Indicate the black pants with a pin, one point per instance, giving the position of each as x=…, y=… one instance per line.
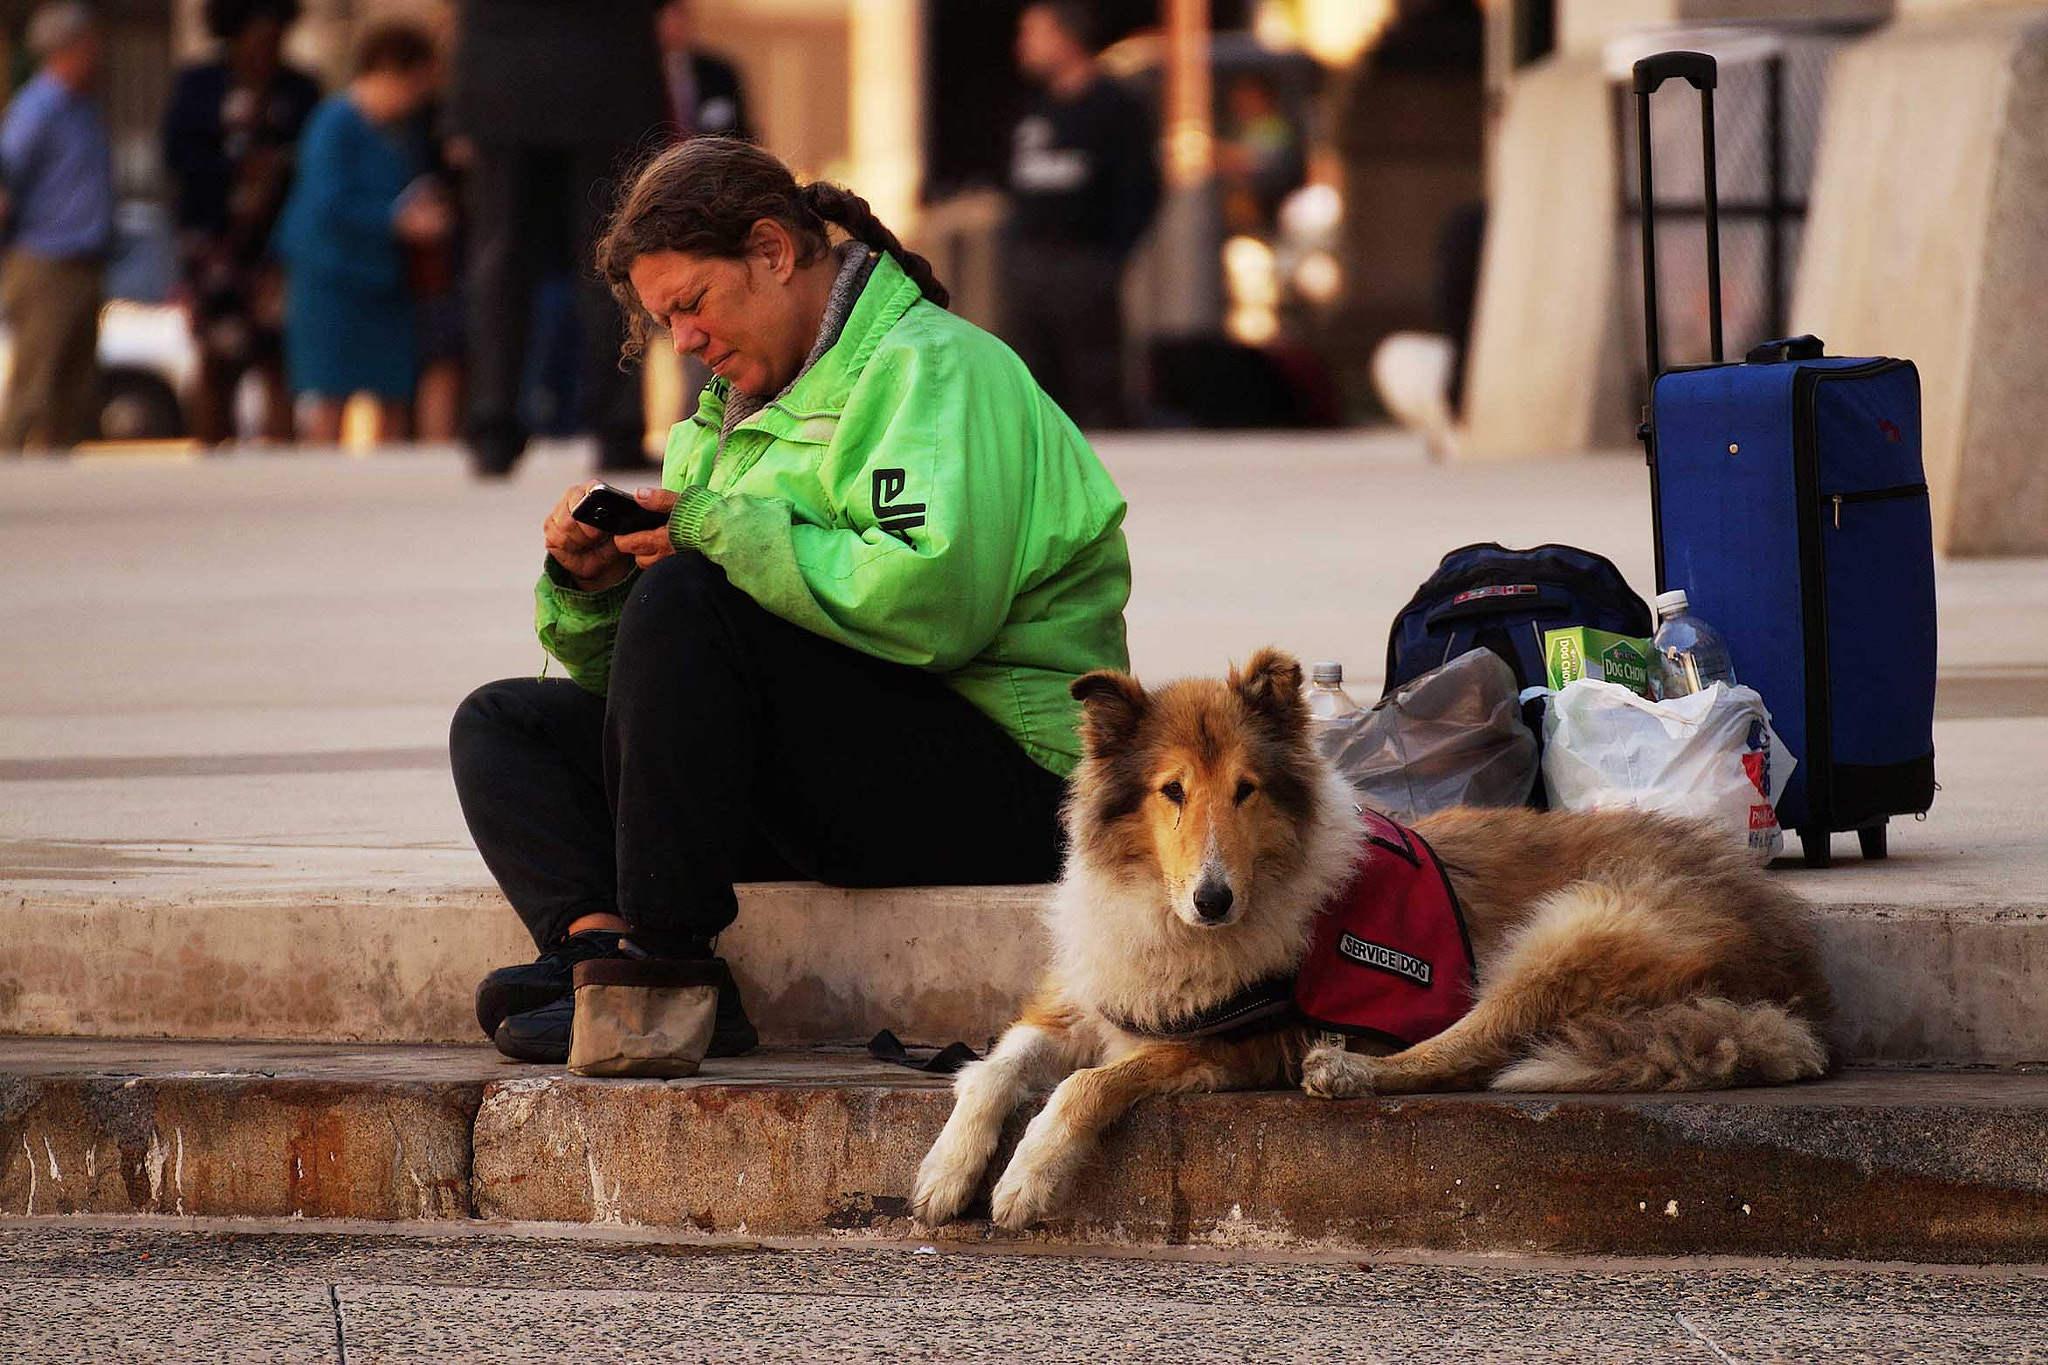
x=1063, y=315
x=530, y=208
x=736, y=747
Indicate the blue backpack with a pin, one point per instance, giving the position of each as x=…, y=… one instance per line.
x=1490, y=597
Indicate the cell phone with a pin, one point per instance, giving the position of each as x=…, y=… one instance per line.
x=613, y=511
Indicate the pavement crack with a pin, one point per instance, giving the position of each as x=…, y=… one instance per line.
x=1686, y=1323
x=341, y=1334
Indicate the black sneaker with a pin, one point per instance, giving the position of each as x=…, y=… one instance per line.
x=546, y=979
x=732, y=1034
x=542, y=1035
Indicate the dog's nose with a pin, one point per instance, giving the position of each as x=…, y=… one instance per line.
x=1213, y=900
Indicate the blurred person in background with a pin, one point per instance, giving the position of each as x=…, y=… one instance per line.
x=705, y=98
x=230, y=131
x=434, y=267
x=58, y=169
x=1084, y=185
x=1261, y=158
x=548, y=100
x=358, y=199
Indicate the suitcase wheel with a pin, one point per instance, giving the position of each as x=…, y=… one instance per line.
x=1872, y=839
x=1813, y=843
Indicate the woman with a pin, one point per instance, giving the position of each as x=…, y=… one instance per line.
x=846, y=654
x=349, y=321
x=230, y=130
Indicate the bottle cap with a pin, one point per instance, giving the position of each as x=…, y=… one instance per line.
x=1326, y=671
x=1671, y=603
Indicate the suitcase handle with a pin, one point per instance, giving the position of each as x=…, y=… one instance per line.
x=1697, y=69
x=1700, y=71
x=1805, y=346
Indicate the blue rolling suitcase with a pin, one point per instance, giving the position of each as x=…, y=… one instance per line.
x=1791, y=505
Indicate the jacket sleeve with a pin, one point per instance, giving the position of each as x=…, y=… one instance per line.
x=926, y=480
x=579, y=628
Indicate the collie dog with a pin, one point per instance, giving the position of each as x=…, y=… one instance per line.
x=1611, y=950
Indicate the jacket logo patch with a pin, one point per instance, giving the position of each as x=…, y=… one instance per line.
x=899, y=519
x=1365, y=954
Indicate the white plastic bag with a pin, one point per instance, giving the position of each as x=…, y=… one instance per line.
x=1709, y=756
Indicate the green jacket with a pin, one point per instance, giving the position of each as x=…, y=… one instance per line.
x=914, y=495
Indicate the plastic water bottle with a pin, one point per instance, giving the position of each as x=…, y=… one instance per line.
x=1327, y=699
x=1692, y=654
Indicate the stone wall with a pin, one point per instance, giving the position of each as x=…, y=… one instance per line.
x=1928, y=238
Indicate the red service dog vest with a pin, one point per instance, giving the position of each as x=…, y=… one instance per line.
x=1390, y=955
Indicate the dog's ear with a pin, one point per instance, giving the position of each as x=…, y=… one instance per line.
x=1112, y=704
x=1270, y=684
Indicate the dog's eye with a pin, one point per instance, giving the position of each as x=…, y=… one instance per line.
x=1244, y=792
x=1173, y=792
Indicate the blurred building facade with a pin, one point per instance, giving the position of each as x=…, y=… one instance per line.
x=1882, y=177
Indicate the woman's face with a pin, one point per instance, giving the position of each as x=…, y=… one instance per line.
x=741, y=316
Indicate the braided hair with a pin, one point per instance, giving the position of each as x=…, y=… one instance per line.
x=703, y=197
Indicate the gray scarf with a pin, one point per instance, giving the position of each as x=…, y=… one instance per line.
x=856, y=261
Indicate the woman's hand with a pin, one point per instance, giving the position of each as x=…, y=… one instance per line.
x=648, y=546
x=586, y=552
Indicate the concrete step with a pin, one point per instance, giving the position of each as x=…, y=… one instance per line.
x=1872, y=1164
x=1960, y=981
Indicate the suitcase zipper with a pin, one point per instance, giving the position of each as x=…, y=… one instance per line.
x=1904, y=490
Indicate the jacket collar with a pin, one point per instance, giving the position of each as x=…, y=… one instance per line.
x=809, y=408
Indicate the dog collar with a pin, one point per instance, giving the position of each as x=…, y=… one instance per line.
x=1259, y=1007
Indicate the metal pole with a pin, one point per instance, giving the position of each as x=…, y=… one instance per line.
x=1647, y=206
x=1774, y=211
x=1713, y=222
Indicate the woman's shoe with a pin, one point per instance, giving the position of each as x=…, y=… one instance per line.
x=548, y=978
x=540, y=1035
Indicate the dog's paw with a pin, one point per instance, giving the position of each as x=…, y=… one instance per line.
x=1037, y=1174
x=945, y=1183
x=1023, y=1196
x=1331, y=1073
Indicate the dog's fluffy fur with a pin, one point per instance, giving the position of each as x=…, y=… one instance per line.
x=1615, y=950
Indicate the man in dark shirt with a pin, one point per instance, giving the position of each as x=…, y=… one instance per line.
x=705, y=97
x=548, y=101
x=1084, y=184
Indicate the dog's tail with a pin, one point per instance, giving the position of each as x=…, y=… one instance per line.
x=1703, y=1044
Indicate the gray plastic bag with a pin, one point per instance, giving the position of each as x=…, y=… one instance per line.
x=1452, y=737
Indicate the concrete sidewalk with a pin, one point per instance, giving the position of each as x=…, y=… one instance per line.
x=135, y=1291
x=225, y=809
x=235, y=674
x=1868, y=1165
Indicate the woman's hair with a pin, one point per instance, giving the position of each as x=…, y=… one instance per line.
x=225, y=19
x=394, y=47
x=704, y=196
